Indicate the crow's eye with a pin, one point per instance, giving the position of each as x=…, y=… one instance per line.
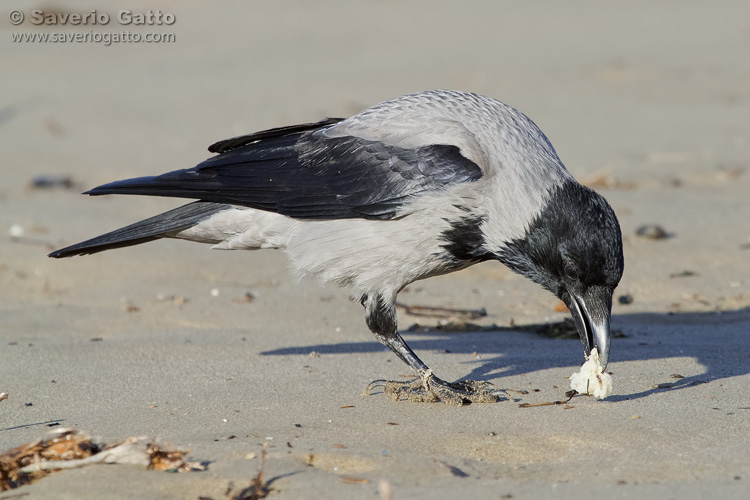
x=571, y=272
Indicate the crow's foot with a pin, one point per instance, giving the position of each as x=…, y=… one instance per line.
x=430, y=389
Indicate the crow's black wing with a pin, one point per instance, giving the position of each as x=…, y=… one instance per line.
x=300, y=172
x=244, y=140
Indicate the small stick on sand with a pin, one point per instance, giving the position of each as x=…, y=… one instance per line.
x=568, y=395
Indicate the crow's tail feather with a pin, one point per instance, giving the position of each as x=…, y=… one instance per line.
x=146, y=230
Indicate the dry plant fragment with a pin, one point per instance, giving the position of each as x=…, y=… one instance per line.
x=353, y=480
x=3, y=396
x=161, y=459
x=69, y=449
x=258, y=488
x=59, y=445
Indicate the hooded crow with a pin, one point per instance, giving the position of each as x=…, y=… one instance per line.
x=414, y=187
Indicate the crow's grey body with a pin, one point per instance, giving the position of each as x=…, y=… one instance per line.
x=414, y=187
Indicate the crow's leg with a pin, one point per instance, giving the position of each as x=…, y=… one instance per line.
x=381, y=319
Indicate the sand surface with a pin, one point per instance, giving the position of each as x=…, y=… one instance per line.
x=647, y=102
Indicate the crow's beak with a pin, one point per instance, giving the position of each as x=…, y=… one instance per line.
x=591, y=312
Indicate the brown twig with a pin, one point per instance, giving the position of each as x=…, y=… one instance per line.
x=258, y=488
x=568, y=395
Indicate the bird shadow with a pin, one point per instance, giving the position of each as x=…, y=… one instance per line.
x=717, y=341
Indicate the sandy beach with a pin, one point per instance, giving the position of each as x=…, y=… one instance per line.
x=220, y=352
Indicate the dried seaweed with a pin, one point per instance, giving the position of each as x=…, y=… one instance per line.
x=453, y=327
x=565, y=329
x=443, y=312
x=69, y=449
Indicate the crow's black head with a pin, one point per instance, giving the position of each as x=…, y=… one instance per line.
x=575, y=241
x=574, y=249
